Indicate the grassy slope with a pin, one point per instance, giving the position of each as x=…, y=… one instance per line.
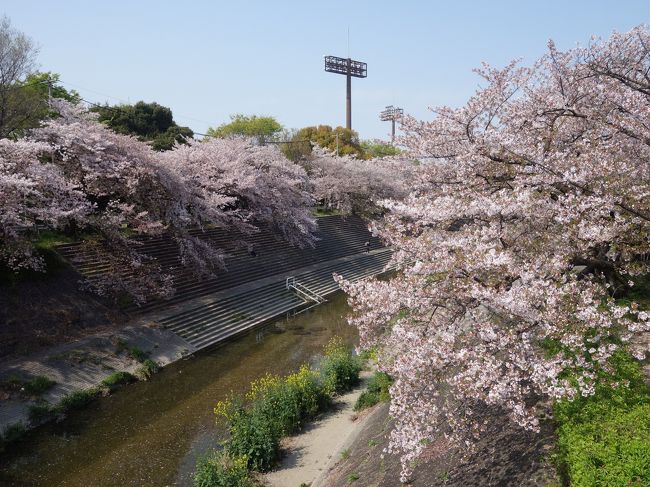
x=604, y=439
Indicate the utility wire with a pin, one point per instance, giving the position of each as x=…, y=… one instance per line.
x=120, y=110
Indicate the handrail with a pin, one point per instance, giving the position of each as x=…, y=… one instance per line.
x=314, y=296
x=303, y=291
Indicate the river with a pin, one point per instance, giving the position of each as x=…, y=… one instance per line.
x=150, y=433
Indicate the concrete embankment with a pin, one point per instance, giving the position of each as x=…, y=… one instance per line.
x=203, y=313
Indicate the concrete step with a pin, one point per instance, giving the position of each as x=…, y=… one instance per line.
x=211, y=322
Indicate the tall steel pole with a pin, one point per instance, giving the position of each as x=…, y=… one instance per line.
x=391, y=114
x=350, y=68
x=348, y=99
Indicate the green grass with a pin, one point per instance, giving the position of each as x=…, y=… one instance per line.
x=117, y=379
x=604, y=439
x=376, y=391
x=49, y=239
x=135, y=352
x=323, y=211
x=34, y=387
x=78, y=399
x=147, y=369
x=38, y=385
x=40, y=413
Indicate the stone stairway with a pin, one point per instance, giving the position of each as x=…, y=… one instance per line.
x=251, y=290
x=338, y=236
x=215, y=320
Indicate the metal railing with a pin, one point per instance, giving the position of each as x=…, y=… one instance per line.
x=303, y=291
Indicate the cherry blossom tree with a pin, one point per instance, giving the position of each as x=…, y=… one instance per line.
x=77, y=174
x=355, y=185
x=31, y=192
x=522, y=227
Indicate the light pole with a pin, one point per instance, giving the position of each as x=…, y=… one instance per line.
x=391, y=114
x=349, y=68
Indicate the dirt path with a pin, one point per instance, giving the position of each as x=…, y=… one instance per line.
x=319, y=446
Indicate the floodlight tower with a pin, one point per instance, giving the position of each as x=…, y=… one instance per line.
x=391, y=114
x=349, y=68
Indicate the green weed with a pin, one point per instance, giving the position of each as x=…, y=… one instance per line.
x=117, y=379
x=78, y=399
x=38, y=385
x=147, y=369
x=219, y=469
x=376, y=391
x=604, y=439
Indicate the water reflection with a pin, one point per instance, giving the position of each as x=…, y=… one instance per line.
x=150, y=433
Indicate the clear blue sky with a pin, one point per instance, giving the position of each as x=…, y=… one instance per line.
x=209, y=59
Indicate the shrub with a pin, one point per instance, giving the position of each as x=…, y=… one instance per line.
x=147, y=369
x=604, y=439
x=340, y=368
x=77, y=399
x=376, y=391
x=219, y=469
x=117, y=379
x=288, y=402
x=279, y=406
x=40, y=413
x=253, y=435
x=369, y=354
x=38, y=385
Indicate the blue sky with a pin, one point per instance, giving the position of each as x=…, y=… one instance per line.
x=209, y=59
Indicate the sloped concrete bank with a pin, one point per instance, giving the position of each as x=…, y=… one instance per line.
x=173, y=333
x=505, y=456
x=204, y=312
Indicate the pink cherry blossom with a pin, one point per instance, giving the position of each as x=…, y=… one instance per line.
x=526, y=219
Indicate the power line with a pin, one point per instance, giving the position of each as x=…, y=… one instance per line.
x=177, y=115
x=120, y=110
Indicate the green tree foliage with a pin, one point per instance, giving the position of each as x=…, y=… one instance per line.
x=262, y=128
x=325, y=136
x=28, y=101
x=378, y=148
x=39, y=84
x=24, y=92
x=148, y=121
x=604, y=439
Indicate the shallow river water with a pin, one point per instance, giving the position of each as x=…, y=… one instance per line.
x=150, y=433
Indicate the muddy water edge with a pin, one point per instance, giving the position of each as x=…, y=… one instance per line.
x=150, y=433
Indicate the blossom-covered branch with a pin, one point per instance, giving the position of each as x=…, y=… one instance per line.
x=527, y=220
x=75, y=174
